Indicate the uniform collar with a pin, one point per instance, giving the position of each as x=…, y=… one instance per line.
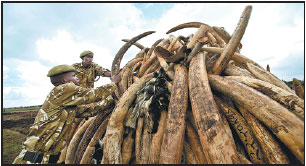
x=88, y=66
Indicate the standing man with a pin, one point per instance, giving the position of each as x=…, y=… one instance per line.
x=87, y=70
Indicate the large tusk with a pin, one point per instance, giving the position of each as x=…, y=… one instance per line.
x=114, y=132
x=189, y=154
x=223, y=33
x=123, y=49
x=186, y=25
x=136, y=44
x=75, y=140
x=243, y=130
x=298, y=88
x=152, y=48
x=264, y=75
x=172, y=144
x=127, y=147
x=238, y=58
x=271, y=148
x=195, y=144
x=90, y=131
x=283, y=123
x=94, y=140
x=213, y=137
x=157, y=139
x=288, y=99
x=233, y=43
x=232, y=70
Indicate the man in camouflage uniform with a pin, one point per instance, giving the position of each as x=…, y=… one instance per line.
x=87, y=70
x=66, y=101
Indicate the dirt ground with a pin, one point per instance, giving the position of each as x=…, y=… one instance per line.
x=15, y=127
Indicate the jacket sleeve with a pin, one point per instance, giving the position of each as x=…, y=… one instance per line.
x=76, y=95
x=89, y=110
x=99, y=70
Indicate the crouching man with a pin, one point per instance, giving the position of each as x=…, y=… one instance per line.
x=66, y=101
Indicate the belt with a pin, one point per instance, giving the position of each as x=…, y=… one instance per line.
x=36, y=157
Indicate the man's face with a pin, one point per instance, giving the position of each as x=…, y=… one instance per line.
x=71, y=77
x=87, y=60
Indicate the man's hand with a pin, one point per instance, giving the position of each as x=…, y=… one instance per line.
x=116, y=79
x=107, y=74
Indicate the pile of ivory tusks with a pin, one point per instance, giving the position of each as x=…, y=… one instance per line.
x=224, y=108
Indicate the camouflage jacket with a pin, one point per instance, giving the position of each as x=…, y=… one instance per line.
x=65, y=102
x=88, y=75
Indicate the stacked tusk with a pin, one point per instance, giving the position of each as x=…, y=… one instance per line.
x=194, y=100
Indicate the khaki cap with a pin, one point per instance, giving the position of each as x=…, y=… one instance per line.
x=59, y=69
x=87, y=52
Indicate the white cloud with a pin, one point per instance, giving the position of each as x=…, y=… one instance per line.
x=266, y=40
x=63, y=49
x=34, y=87
x=5, y=70
x=31, y=71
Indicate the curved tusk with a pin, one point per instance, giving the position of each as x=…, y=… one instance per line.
x=140, y=46
x=186, y=25
x=233, y=42
x=123, y=49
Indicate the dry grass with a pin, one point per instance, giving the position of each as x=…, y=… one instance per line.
x=11, y=144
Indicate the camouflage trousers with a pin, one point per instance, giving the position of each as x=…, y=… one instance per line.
x=19, y=159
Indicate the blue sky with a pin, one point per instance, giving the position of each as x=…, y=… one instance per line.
x=37, y=36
